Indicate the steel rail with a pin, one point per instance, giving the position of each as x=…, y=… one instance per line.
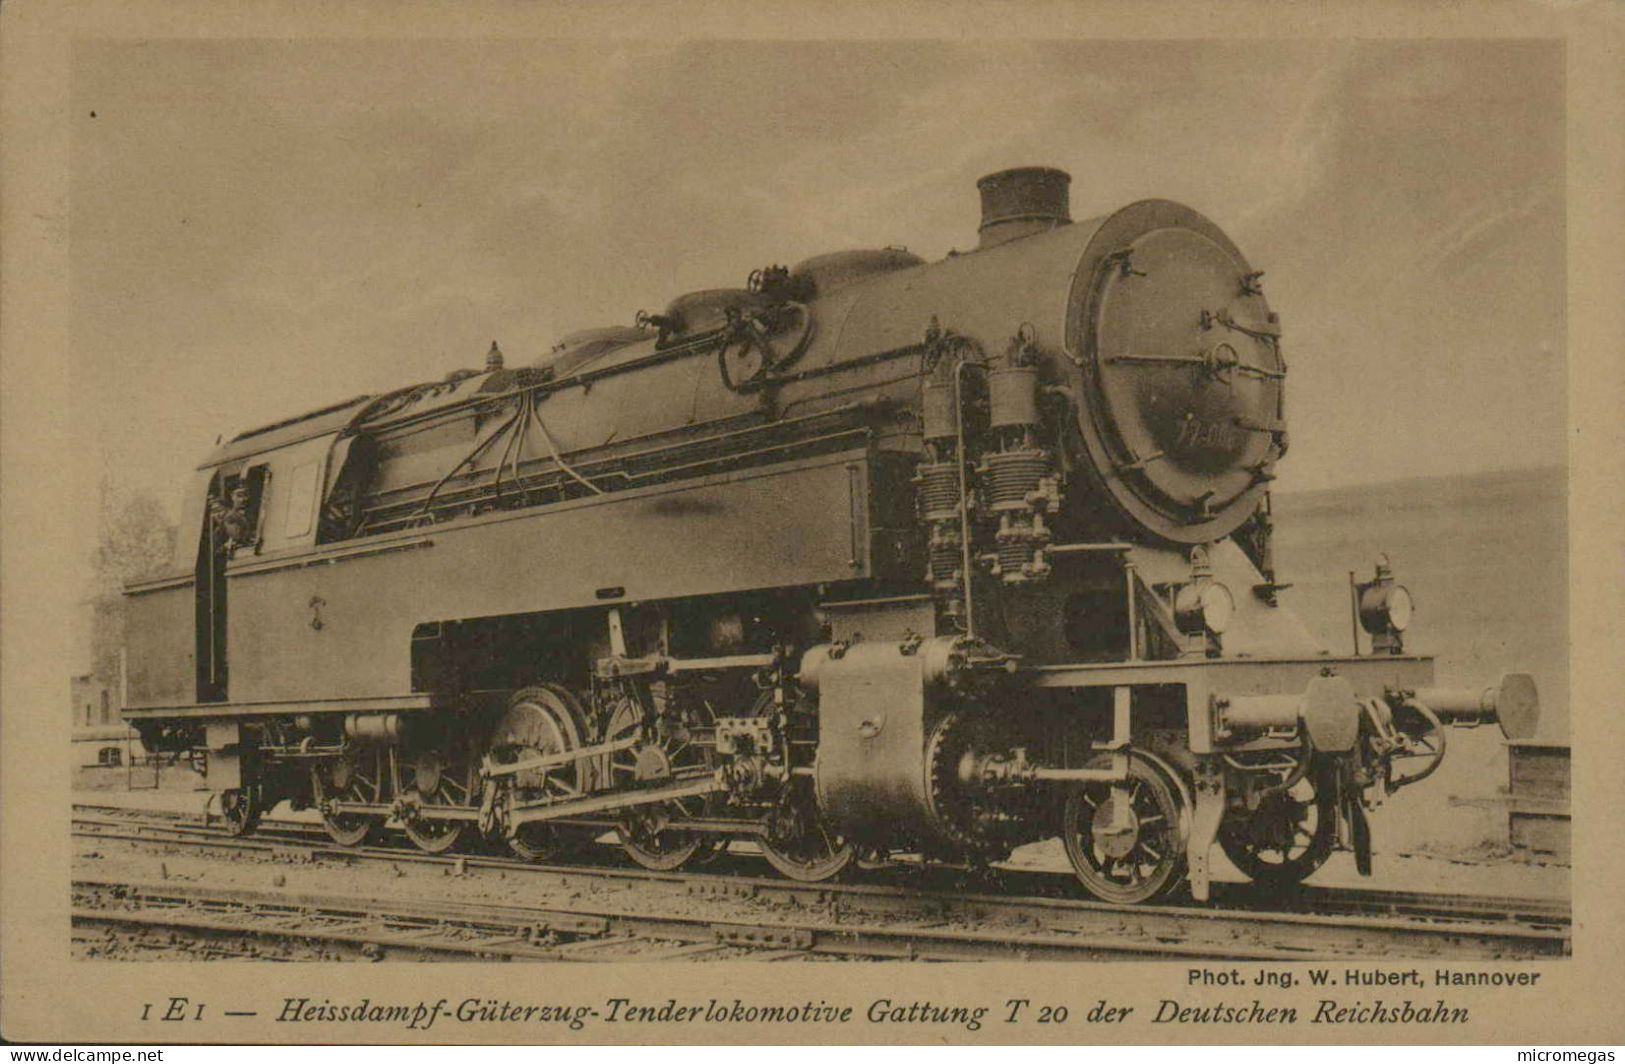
x=1035, y=883
x=518, y=932
x=1313, y=929
x=273, y=835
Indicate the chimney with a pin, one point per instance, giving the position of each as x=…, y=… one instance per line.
x=1022, y=202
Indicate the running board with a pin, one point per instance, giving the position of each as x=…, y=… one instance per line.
x=410, y=703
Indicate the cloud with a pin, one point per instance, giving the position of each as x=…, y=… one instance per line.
x=1468, y=238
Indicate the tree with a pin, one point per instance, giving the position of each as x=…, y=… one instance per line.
x=135, y=539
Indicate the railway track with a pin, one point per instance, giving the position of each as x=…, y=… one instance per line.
x=261, y=924
x=918, y=913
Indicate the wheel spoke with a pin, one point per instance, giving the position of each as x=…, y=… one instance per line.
x=1285, y=839
x=1153, y=859
x=800, y=843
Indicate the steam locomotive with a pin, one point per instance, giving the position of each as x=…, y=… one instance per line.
x=869, y=556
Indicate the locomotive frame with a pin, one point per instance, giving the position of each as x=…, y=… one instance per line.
x=958, y=544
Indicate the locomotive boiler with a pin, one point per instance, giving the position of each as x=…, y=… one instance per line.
x=868, y=556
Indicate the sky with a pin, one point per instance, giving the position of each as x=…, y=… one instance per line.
x=259, y=228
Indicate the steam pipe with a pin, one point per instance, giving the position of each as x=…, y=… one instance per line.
x=467, y=458
x=557, y=457
x=964, y=495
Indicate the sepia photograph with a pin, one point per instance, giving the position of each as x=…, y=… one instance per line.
x=650, y=502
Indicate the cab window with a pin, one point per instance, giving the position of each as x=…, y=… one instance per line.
x=300, y=506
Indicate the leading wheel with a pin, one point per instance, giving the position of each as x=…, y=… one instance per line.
x=1126, y=841
x=1360, y=837
x=1289, y=835
x=799, y=842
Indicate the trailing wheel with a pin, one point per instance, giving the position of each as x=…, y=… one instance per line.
x=356, y=777
x=799, y=842
x=541, y=722
x=1126, y=841
x=240, y=808
x=1289, y=836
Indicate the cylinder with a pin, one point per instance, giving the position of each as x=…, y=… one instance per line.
x=1512, y=702
x=812, y=662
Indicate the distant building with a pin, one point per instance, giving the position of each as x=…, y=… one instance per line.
x=99, y=736
x=92, y=703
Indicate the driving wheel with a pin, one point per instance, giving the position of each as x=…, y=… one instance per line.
x=663, y=749
x=541, y=722
x=799, y=841
x=355, y=777
x=444, y=778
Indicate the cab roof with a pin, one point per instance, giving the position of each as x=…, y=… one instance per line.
x=290, y=430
